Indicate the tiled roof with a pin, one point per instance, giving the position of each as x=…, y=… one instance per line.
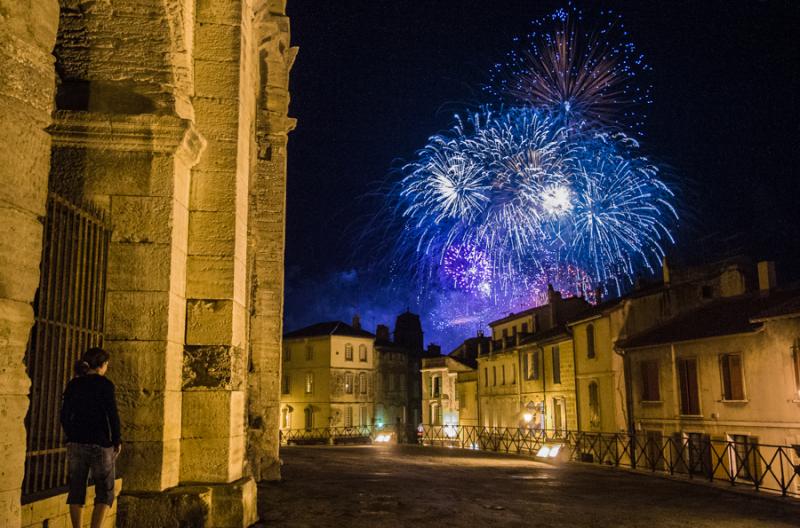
x=330, y=328
x=725, y=316
x=545, y=335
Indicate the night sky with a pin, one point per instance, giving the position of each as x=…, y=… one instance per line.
x=373, y=80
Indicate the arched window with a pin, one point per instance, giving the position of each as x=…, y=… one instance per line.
x=594, y=404
x=362, y=352
x=348, y=352
x=309, y=416
x=348, y=382
x=362, y=382
x=590, y=353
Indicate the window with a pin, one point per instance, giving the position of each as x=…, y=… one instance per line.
x=513, y=373
x=526, y=365
x=362, y=352
x=309, y=382
x=502, y=374
x=436, y=386
x=558, y=414
x=732, y=383
x=309, y=353
x=348, y=417
x=436, y=414
x=285, y=389
x=590, y=353
x=309, y=418
x=556, y=365
x=485, y=376
x=505, y=333
x=286, y=418
x=650, y=386
x=594, y=404
x=287, y=354
x=796, y=360
x=698, y=446
x=687, y=379
x=524, y=328
x=535, y=365
x=494, y=374
x=535, y=323
x=362, y=383
x=402, y=384
x=363, y=417
x=745, y=463
x=348, y=352
x=348, y=383
x=391, y=382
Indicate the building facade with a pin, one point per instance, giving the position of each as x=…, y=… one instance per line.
x=145, y=147
x=526, y=378
x=726, y=372
x=328, y=377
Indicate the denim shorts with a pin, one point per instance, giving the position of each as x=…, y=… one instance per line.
x=82, y=458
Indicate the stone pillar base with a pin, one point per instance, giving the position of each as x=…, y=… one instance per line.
x=230, y=505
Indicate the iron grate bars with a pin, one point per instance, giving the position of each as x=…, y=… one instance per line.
x=69, y=307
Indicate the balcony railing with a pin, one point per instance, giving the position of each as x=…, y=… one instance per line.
x=761, y=467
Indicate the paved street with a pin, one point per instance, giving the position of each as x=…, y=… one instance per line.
x=391, y=486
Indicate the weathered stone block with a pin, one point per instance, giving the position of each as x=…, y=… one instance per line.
x=213, y=368
x=213, y=414
x=212, y=460
x=209, y=277
x=144, y=220
x=209, y=322
x=143, y=267
x=20, y=252
x=219, y=42
x=137, y=315
x=216, y=79
x=143, y=414
x=144, y=466
x=16, y=320
x=183, y=507
x=219, y=155
x=213, y=11
x=234, y=504
x=210, y=233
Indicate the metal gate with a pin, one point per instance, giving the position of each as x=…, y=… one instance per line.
x=69, y=308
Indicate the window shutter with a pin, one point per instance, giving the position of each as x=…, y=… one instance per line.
x=737, y=383
x=654, y=389
x=694, y=397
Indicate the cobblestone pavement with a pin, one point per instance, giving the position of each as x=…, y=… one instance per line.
x=398, y=486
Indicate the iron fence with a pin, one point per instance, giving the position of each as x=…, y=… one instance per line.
x=761, y=467
x=68, y=307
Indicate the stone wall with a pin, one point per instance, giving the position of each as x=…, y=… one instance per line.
x=171, y=118
x=27, y=36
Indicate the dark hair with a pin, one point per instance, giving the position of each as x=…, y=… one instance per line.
x=92, y=359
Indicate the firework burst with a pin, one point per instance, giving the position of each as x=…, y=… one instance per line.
x=584, y=75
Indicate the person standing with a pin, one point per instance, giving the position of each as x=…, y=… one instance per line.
x=91, y=424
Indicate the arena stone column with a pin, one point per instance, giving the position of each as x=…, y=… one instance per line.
x=27, y=83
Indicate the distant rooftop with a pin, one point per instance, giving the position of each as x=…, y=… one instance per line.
x=337, y=328
x=725, y=316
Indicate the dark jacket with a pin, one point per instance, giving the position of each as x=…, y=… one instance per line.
x=89, y=411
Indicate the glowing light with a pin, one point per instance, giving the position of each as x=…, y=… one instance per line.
x=527, y=417
x=383, y=438
x=557, y=200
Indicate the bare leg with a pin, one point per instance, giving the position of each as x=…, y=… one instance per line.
x=98, y=515
x=75, y=515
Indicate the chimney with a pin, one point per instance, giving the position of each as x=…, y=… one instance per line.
x=356, y=322
x=598, y=293
x=552, y=294
x=382, y=332
x=766, y=275
x=665, y=271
